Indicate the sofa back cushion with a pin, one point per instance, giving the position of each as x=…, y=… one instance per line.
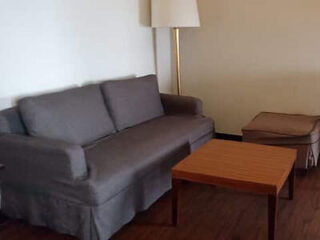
x=132, y=101
x=11, y=122
x=77, y=115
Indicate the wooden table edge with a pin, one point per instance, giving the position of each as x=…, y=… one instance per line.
x=225, y=182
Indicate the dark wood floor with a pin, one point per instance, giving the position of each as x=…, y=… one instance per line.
x=211, y=213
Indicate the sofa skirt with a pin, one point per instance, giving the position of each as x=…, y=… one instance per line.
x=300, y=132
x=91, y=222
x=307, y=155
x=86, y=222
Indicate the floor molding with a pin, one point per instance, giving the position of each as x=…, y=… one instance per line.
x=226, y=136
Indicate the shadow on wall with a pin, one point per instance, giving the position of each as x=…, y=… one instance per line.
x=295, y=92
x=111, y=79
x=145, y=20
x=12, y=101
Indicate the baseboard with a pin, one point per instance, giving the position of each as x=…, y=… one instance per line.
x=226, y=136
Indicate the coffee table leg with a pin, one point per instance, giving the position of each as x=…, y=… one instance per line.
x=175, y=194
x=291, y=183
x=272, y=215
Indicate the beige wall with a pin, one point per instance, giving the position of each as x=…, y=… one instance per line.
x=251, y=56
x=48, y=45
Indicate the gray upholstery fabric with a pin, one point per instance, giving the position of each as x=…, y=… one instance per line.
x=11, y=122
x=77, y=115
x=203, y=140
x=118, y=161
x=29, y=159
x=113, y=163
x=133, y=101
x=98, y=222
x=174, y=105
x=92, y=191
x=83, y=221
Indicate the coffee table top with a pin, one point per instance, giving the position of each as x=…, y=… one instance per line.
x=244, y=166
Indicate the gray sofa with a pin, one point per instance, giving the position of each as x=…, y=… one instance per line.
x=84, y=161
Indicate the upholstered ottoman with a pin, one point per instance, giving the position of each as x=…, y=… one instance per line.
x=288, y=130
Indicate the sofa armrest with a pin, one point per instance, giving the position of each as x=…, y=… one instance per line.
x=174, y=104
x=32, y=159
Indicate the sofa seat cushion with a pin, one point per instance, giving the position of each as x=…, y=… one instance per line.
x=133, y=101
x=118, y=161
x=77, y=115
x=280, y=128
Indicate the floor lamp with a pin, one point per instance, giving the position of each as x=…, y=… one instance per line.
x=175, y=14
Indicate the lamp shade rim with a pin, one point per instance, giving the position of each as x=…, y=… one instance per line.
x=175, y=13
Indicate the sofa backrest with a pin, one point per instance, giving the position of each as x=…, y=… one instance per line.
x=77, y=115
x=11, y=122
x=132, y=101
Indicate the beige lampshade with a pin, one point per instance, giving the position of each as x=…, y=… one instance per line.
x=175, y=13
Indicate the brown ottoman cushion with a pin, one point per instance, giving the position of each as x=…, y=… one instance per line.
x=301, y=132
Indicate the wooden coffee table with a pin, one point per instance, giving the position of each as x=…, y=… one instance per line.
x=242, y=166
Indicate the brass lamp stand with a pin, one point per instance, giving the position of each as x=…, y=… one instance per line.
x=176, y=38
x=175, y=14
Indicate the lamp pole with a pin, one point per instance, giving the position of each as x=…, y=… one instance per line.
x=176, y=40
x=175, y=14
